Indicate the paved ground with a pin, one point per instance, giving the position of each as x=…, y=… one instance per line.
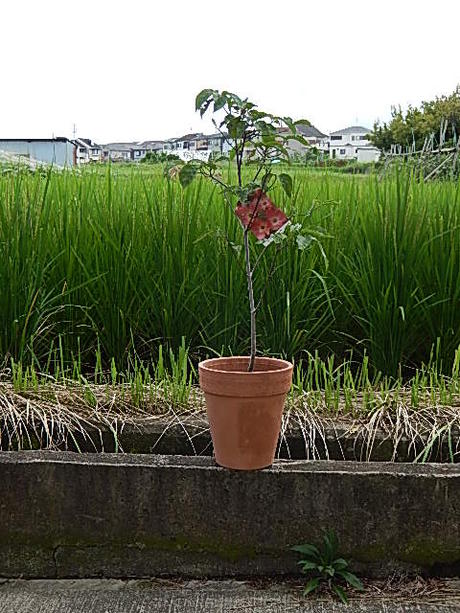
x=113, y=596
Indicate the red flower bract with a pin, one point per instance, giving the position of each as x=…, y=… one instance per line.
x=260, y=215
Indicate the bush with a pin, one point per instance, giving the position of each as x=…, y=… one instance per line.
x=159, y=157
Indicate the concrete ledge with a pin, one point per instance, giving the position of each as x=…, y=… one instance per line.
x=336, y=442
x=107, y=515
x=190, y=436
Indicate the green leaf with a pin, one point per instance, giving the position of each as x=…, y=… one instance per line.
x=236, y=248
x=236, y=127
x=351, y=579
x=340, y=563
x=267, y=178
x=299, y=138
x=219, y=103
x=311, y=586
x=286, y=182
x=290, y=124
x=205, y=106
x=187, y=174
x=331, y=544
x=295, y=228
x=232, y=154
x=308, y=565
x=340, y=592
x=303, y=241
x=202, y=97
x=309, y=550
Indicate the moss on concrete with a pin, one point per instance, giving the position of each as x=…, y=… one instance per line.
x=426, y=552
x=423, y=553
x=231, y=552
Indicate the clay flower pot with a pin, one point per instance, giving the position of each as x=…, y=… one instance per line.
x=244, y=408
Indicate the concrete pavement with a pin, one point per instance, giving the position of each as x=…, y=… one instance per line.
x=163, y=596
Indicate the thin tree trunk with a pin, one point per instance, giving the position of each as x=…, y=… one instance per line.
x=247, y=254
x=252, y=307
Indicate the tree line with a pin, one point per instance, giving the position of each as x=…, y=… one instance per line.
x=417, y=123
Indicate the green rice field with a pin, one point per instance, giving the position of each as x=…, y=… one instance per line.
x=101, y=268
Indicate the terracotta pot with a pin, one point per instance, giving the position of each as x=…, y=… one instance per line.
x=244, y=408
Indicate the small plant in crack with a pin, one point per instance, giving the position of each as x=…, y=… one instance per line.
x=325, y=569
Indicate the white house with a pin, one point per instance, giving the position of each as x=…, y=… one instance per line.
x=197, y=145
x=87, y=151
x=118, y=152
x=352, y=143
x=131, y=152
x=150, y=145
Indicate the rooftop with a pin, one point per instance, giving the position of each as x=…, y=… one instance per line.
x=188, y=137
x=57, y=139
x=120, y=146
x=309, y=131
x=351, y=130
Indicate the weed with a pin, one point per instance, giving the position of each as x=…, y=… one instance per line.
x=326, y=569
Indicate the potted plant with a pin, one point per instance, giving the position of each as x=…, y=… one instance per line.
x=245, y=395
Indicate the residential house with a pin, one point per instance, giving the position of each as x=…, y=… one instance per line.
x=197, y=145
x=59, y=151
x=351, y=143
x=131, y=152
x=311, y=134
x=138, y=152
x=151, y=145
x=87, y=151
x=368, y=153
x=118, y=152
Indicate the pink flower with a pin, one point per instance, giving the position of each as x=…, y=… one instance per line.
x=260, y=228
x=277, y=219
x=261, y=215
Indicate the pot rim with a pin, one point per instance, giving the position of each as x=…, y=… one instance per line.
x=285, y=366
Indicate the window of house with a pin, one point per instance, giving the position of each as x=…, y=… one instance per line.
x=342, y=151
x=336, y=138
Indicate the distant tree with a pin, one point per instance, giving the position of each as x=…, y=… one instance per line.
x=418, y=123
x=158, y=157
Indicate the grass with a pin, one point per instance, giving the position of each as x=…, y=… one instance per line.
x=106, y=265
x=114, y=282
x=73, y=409
x=37, y=411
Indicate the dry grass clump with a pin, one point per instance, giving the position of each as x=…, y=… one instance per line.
x=86, y=416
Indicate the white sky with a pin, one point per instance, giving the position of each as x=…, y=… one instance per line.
x=130, y=70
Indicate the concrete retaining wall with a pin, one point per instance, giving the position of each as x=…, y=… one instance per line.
x=191, y=436
x=90, y=515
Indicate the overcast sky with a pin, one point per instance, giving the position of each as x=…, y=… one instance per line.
x=130, y=70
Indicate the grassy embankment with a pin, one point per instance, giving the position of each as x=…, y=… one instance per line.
x=119, y=277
